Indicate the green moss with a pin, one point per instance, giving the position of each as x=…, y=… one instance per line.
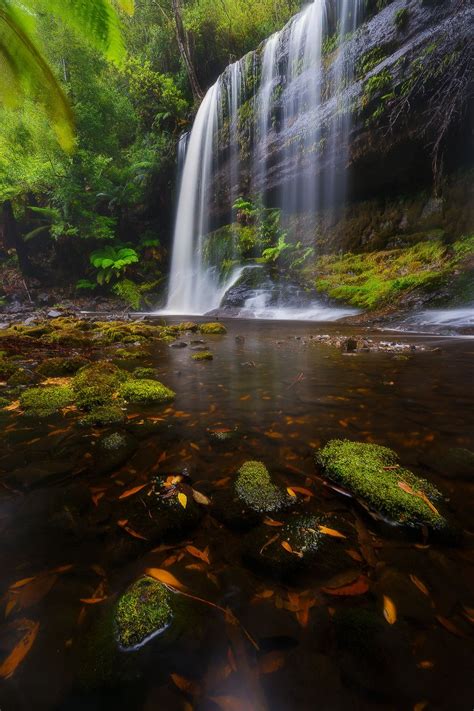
x=147, y=373
x=60, y=367
x=4, y=402
x=188, y=326
x=373, y=279
x=103, y=415
x=114, y=441
x=203, y=355
x=68, y=337
x=7, y=368
x=211, y=328
x=45, y=401
x=97, y=384
x=146, y=391
x=21, y=377
x=401, y=18
x=256, y=489
x=143, y=610
x=372, y=473
x=369, y=60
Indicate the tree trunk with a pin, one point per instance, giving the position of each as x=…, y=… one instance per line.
x=12, y=238
x=183, y=44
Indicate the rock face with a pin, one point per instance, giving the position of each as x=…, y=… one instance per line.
x=393, y=107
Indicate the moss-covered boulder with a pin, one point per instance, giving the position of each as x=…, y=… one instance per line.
x=45, y=401
x=68, y=337
x=202, y=355
x=60, y=367
x=97, y=384
x=7, y=368
x=146, y=391
x=301, y=543
x=212, y=328
x=373, y=475
x=143, y=611
x=4, y=402
x=103, y=415
x=256, y=489
x=20, y=377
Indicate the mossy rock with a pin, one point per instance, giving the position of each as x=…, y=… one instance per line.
x=300, y=545
x=4, y=402
x=97, y=384
x=103, y=415
x=372, y=474
x=255, y=488
x=146, y=391
x=21, y=377
x=142, y=612
x=202, y=355
x=128, y=354
x=188, y=326
x=144, y=373
x=70, y=338
x=7, y=368
x=212, y=328
x=60, y=367
x=45, y=401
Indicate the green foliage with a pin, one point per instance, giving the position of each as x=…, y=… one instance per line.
x=111, y=262
x=401, y=18
x=45, y=401
x=129, y=292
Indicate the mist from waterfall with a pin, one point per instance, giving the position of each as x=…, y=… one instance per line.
x=288, y=73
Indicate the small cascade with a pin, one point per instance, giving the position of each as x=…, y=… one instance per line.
x=284, y=84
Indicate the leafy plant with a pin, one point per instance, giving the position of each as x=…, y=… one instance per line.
x=111, y=262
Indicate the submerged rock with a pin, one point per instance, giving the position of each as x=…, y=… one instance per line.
x=143, y=611
x=452, y=463
x=372, y=474
x=144, y=373
x=103, y=415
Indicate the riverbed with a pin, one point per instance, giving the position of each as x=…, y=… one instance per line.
x=273, y=392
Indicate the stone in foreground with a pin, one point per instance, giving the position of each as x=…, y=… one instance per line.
x=143, y=611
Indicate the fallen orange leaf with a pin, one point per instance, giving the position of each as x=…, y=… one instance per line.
x=421, y=586
x=21, y=649
x=271, y=662
x=186, y=685
x=331, y=532
x=131, y=492
x=164, y=576
x=359, y=587
x=270, y=522
x=389, y=610
x=183, y=499
x=202, y=555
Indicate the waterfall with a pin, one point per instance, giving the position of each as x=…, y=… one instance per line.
x=285, y=84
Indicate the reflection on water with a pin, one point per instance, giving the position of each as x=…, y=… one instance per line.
x=284, y=396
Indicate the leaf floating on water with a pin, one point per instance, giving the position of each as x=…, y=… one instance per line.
x=389, y=610
x=355, y=555
x=200, y=498
x=286, y=546
x=202, y=555
x=21, y=649
x=291, y=492
x=271, y=522
x=131, y=492
x=359, y=587
x=92, y=600
x=302, y=490
x=421, y=586
x=425, y=664
x=165, y=577
x=21, y=583
x=271, y=662
x=450, y=626
x=131, y=531
x=183, y=499
x=331, y=532
x=186, y=685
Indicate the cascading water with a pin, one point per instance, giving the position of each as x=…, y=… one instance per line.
x=290, y=70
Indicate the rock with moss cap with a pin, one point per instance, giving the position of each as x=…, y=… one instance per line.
x=146, y=391
x=97, y=384
x=60, y=367
x=373, y=475
x=7, y=368
x=299, y=544
x=187, y=326
x=21, y=377
x=4, y=402
x=103, y=415
x=69, y=337
x=202, y=355
x=256, y=489
x=143, y=611
x=212, y=328
x=45, y=401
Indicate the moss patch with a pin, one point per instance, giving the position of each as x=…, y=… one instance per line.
x=103, y=415
x=256, y=489
x=372, y=473
x=212, y=328
x=144, y=373
x=97, y=384
x=42, y=402
x=202, y=355
x=146, y=391
x=143, y=610
x=59, y=367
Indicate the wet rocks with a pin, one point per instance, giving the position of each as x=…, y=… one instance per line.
x=146, y=392
x=97, y=384
x=46, y=401
x=60, y=367
x=202, y=355
x=255, y=488
x=452, y=463
x=373, y=475
x=178, y=344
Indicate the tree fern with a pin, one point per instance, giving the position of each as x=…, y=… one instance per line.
x=23, y=69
